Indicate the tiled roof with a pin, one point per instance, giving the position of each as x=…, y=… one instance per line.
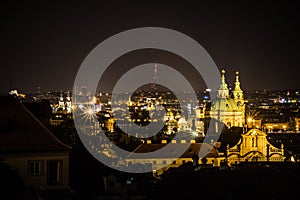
x=187, y=149
x=21, y=132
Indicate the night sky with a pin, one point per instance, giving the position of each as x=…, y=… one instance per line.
x=44, y=44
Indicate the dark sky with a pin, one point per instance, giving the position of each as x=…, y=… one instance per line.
x=44, y=44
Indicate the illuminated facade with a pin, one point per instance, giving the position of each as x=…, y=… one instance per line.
x=297, y=124
x=228, y=109
x=62, y=110
x=254, y=147
x=64, y=104
x=275, y=127
x=68, y=103
x=165, y=160
x=61, y=103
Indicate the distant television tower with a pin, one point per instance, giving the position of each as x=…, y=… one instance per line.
x=155, y=78
x=9, y=78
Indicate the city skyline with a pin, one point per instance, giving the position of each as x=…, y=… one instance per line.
x=44, y=45
x=149, y=100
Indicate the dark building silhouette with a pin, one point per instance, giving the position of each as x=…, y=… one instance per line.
x=28, y=146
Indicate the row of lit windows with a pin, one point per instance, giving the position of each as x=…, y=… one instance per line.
x=164, y=162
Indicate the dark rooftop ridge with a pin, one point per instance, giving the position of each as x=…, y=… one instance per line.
x=21, y=131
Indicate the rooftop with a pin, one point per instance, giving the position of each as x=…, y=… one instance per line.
x=172, y=150
x=21, y=131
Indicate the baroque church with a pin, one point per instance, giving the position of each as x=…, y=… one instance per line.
x=254, y=146
x=227, y=108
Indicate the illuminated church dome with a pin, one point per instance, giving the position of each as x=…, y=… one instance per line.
x=225, y=108
x=223, y=105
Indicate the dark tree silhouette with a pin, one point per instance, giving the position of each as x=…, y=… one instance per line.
x=11, y=183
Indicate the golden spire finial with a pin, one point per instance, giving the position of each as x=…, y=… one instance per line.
x=223, y=76
x=223, y=91
x=237, y=76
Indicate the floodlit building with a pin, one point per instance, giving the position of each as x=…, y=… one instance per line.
x=226, y=108
x=279, y=127
x=297, y=124
x=65, y=104
x=254, y=147
x=165, y=160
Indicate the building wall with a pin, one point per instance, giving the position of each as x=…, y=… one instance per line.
x=254, y=146
x=275, y=126
x=160, y=165
x=228, y=118
x=21, y=163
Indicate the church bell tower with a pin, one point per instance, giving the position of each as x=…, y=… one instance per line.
x=237, y=95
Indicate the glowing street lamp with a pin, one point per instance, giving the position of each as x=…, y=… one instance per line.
x=90, y=111
x=250, y=122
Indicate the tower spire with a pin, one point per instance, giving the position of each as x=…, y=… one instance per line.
x=237, y=76
x=238, y=95
x=237, y=82
x=223, y=76
x=237, y=92
x=155, y=78
x=223, y=91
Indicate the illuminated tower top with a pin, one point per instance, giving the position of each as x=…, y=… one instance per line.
x=61, y=103
x=68, y=98
x=237, y=92
x=223, y=91
x=61, y=97
x=155, y=74
x=68, y=103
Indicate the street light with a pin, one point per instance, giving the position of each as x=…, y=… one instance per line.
x=249, y=119
x=250, y=122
